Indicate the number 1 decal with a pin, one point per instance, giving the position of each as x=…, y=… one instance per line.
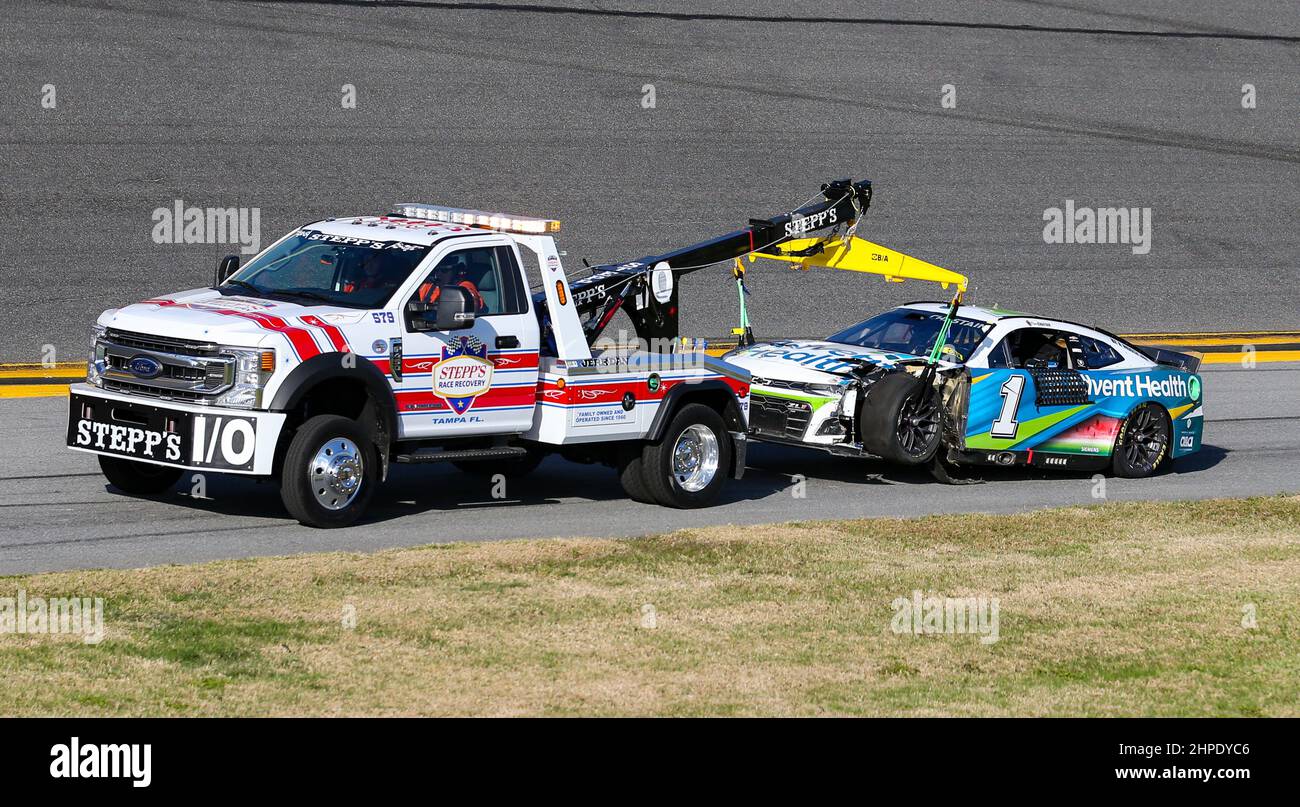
x=1005, y=426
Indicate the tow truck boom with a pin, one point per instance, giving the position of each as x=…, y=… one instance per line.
x=651, y=282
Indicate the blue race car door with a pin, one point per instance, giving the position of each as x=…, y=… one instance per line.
x=1032, y=388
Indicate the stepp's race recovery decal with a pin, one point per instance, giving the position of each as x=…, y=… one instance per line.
x=463, y=374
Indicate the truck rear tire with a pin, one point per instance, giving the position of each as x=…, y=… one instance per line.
x=140, y=478
x=902, y=422
x=688, y=466
x=631, y=475
x=329, y=473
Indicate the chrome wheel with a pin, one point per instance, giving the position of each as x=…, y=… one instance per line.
x=336, y=473
x=695, y=458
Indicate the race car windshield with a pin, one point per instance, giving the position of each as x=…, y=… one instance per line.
x=906, y=330
x=332, y=269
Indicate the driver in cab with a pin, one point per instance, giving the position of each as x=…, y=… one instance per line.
x=450, y=273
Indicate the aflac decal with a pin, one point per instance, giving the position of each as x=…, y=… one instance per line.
x=463, y=374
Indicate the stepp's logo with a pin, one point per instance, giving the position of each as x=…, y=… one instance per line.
x=802, y=224
x=463, y=374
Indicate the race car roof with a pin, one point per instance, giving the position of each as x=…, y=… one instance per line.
x=993, y=316
x=974, y=312
x=394, y=228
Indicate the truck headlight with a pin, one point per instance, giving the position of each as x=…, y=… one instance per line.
x=253, y=368
x=95, y=366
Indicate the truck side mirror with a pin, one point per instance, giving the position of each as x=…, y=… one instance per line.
x=455, y=308
x=226, y=267
x=453, y=311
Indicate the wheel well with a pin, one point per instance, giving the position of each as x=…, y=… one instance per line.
x=346, y=397
x=719, y=400
x=336, y=396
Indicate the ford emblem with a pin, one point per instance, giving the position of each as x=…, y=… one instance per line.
x=144, y=367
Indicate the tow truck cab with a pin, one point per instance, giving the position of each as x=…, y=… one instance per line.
x=351, y=344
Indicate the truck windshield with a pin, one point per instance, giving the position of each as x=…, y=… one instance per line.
x=907, y=330
x=333, y=269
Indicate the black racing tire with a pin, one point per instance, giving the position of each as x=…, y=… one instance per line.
x=1142, y=444
x=688, y=466
x=139, y=478
x=321, y=484
x=631, y=475
x=902, y=421
x=510, y=469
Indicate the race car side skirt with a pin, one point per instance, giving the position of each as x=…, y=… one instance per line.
x=1031, y=458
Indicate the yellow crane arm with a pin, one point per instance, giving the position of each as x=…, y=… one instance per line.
x=859, y=255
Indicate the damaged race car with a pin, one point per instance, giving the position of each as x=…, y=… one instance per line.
x=948, y=385
x=1003, y=388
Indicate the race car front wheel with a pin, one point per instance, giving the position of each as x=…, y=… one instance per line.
x=1142, y=445
x=902, y=420
x=329, y=473
x=140, y=478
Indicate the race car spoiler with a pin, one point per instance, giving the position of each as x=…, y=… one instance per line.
x=651, y=282
x=1170, y=358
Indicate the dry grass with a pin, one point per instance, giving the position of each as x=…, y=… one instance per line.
x=1120, y=609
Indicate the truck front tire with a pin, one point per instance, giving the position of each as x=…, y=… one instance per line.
x=330, y=472
x=688, y=466
x=139, y=478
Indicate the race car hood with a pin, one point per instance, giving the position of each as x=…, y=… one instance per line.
x=206, y=315
x=808, y=361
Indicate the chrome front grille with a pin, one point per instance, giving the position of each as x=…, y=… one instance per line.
x=188, y=370
x=163, y=344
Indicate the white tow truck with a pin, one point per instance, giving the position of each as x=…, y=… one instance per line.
x=416, y=337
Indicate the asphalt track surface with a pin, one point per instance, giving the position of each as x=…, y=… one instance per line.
x=536, y=108
x=58, y=512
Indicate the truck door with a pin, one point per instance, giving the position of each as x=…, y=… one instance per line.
x=476, y=380
x=1033, y=383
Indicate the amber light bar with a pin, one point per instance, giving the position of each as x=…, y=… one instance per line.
x=478, y=218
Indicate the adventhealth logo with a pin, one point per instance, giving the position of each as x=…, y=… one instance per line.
x=1144, y=386
x=92, y=761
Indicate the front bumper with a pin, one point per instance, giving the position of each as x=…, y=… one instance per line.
x=202, y=438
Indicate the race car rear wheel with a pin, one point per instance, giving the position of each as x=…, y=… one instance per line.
x=688, y=466
x=140, y=478
x=329, y=473
x=902, y=421
x=1142, y=445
